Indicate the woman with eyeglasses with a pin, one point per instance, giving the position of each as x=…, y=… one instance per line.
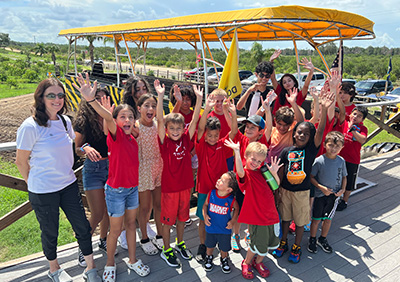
x=45, y=159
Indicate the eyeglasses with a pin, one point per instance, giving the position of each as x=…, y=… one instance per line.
x=52, y=96
x=261, y=75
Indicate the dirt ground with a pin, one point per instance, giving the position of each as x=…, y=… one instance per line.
x=13, y=111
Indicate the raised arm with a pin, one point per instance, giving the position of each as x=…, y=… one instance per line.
x=199, y=99
x=315, y=118
x=291, y=98
x=89, y=94
x=307, y=64
x=274, y=168
x=326, y=100
x=160, y=118
x=268, y=115
x=178, y=97
x=274, y=56
x=236, y=149
x=334, y=83
x=210, y=102
x=230, y=108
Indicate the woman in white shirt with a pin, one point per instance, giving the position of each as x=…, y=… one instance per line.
x=45, y=159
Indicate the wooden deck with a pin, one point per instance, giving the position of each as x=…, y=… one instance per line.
x=364, y=237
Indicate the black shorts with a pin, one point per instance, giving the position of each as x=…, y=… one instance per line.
x=223, y=240
x=324, y=207
x=352, y=171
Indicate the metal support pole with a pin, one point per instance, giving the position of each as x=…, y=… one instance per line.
x=116, y=59
x=204, y=64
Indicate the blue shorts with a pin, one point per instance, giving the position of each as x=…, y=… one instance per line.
x=94, y=174
x=223, y=240
x=201, y=199
x=120, y=199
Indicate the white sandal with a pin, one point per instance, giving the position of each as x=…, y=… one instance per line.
x=149, y=248
x=159, y=243
x=110, y=273
x=139, y=268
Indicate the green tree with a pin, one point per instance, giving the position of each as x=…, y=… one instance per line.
x=53, y=49
x=257, y=53
x=92, y=39
x=4, y=40
x=40, y=49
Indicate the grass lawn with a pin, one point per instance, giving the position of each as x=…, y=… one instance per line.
x=383, y=136
x=24, y=88
x=23, y=236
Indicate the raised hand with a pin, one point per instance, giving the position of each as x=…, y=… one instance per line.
x=160, y=89
x=326, y=99
x=234, y=146
x=275, y=55
x=198, y=91
x=292, y=95
x=307, y=64
x=229, y=105
x=87, y=91
x=106, y=103
x=177, y=93
x=334, y=81
x=210, y=102
x=314, y=92
x=275, y=166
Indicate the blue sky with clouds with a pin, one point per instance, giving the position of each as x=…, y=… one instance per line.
x=41, y=20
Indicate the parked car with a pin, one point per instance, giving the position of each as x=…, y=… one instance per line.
x=318, y=79
x=213, y=78
x=366, y=87
x=191, y=74
x=349, y=80
x=243, y=74
x=393, y=95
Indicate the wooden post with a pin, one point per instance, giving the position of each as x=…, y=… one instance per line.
x=167, y=73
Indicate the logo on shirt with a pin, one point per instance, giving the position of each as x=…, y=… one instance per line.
x=218, y=209
x=179, y=151
x=296, y=174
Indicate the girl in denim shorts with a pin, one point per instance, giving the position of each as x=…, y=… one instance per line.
x=121, y=189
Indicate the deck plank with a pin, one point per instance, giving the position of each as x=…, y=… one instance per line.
x=364, y=238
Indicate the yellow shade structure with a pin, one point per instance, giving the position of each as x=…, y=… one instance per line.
x=314, y=25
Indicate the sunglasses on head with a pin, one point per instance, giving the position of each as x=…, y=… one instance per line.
x=52, y=96
x=261, y=75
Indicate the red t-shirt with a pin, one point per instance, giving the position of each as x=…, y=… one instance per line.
x=299, y=100
x=352, y=148
x=123, y=156
x=328, y=128
x=225, y=129
x=212, y=163
x=244, y=142
x=188, y=118
x=349, y=109
x=259, y=204
x=177, y=171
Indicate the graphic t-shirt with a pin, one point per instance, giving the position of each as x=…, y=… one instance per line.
x=177, y=172
x=212, y=163
x=219, y=211
x=259, y=204
x=297, y=164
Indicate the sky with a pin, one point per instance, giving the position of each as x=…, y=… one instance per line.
x=41, y=20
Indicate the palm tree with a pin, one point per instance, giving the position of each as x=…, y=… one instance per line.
x=91, y=39
x=257, y=53
x=53, y=49
x=40, y=49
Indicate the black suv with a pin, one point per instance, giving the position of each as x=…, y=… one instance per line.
x=366, y=87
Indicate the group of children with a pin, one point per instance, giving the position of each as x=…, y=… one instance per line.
x=279, y=150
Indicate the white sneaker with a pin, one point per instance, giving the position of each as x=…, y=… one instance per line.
x=122, y=240
x=150, y=232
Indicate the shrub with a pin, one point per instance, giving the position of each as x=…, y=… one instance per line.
x=150, y=73
x=12, y=82
x=3, y=77
x=31, y=76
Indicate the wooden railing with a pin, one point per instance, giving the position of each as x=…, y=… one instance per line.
x=20, y=185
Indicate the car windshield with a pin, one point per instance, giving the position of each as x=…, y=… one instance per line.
x=396, y=92
x=364, y=84
x=252, y=77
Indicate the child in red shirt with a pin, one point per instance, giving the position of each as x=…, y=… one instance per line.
x=121, y=189
x=259, y=209
x=355, y=135
x=212, y=155
x=176, y=181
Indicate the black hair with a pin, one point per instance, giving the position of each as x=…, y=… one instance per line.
x=313, y=131
x=282, y=94
x=350, y=89
x=213, y=123
x=186, y=90
x=267, y=67
x=130, y=92
x=362, y=110
x=232, y=182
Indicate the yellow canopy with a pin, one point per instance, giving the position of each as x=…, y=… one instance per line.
x=315, y=25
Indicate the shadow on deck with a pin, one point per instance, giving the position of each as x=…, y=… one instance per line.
x=364, y=238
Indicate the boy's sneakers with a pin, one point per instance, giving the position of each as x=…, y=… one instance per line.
x=307, y=227
x=208, y=264
x=181, y=248
x=341, y=206
x=225, y=265
x=235, y=243
x=323, y=243
x=81, y=259
x=170, y=257
x=283, y=248
x=201, y=253
x=122, y=240
x=312, y=245
x=247, y=237
x=295, y=254
x=188, y=222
